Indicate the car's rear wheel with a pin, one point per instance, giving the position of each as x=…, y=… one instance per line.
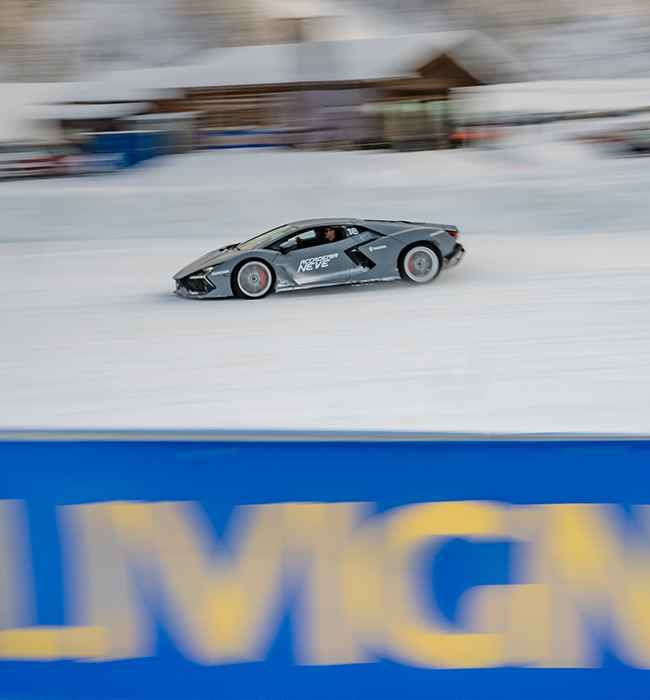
x=253, y=279
x=420, y=263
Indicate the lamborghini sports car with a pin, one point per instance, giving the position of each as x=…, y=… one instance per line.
x=322, y=253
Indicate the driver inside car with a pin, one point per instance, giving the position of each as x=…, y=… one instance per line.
x=328, y=234
x=324, y=234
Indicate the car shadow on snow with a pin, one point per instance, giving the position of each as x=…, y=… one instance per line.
x=370, y=288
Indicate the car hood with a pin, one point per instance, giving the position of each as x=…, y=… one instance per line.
x=212, y=258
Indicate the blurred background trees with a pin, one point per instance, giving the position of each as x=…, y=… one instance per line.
x=65, y=39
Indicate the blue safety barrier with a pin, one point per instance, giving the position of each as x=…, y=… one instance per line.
x=134, y=146
x=201, y=567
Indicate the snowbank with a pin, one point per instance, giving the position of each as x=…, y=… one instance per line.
x=551, y=97
x=16, y=100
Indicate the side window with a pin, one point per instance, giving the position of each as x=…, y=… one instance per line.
x=304, y=239
x=314, y=237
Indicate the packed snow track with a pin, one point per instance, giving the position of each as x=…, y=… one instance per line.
x=541, y=328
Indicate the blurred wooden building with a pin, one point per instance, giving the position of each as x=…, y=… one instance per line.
x=390, y=90
x=359, y=92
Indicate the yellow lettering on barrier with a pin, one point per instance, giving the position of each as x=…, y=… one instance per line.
x=52, y=643
x=518, y=612
x=19, y=640
x=101, y=588
x=220, y=601
x=545, y=632
x=326, y=632
x=15, y=575
x=416, y=633
x=364, y=595
x=599, y=580
x=355, y=585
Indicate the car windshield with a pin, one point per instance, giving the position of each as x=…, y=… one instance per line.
x=268, y=238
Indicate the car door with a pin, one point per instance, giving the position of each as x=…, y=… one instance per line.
x=363, y=254
x=318, y=265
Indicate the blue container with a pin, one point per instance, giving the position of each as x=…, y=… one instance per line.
x=134, y=146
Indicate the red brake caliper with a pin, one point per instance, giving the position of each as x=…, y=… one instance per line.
x=263, y=277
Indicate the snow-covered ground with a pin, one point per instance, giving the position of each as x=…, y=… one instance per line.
x=545, y=326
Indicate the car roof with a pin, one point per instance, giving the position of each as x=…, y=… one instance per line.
x=304, y=223
x=341, y=221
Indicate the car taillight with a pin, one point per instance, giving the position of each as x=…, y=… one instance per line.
x=453, y=232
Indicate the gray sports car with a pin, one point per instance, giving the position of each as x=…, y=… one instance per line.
x=322, y=253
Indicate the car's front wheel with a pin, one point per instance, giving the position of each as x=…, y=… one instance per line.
x=252, y=279
x=419, y=263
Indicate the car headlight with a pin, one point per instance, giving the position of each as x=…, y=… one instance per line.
x=216, y=270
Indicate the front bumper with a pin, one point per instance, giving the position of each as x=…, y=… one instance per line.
x=455, y=257
x=204, y=286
